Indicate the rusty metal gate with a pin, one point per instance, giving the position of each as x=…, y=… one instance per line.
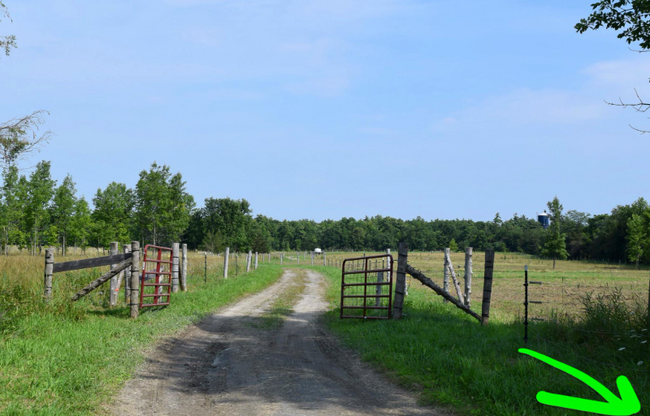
x=156, y=279
x=367, y=287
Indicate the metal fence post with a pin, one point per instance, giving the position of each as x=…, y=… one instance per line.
x=135, y=278
x=175, y=261
x=184, y=269
x=126, y=248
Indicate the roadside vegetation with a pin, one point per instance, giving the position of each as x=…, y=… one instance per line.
x=68, y=358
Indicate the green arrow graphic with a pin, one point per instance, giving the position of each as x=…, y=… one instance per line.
x=627, y=405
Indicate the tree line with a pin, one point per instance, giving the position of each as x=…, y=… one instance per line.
x=35, y=212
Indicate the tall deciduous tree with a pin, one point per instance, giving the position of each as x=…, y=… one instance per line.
x=555, y=245
x=40, y=189
x=81, y=223
x=112, y=214
x=230, y=219
x=12, y=207
x=636, y=238
x=163, y=207
x=62, y=210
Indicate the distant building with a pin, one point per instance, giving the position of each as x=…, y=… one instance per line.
x=544, y=219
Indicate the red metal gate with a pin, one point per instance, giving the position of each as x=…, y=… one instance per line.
x=160, y=271
x=361, y=273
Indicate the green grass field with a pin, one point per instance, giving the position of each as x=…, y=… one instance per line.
x=449, y=359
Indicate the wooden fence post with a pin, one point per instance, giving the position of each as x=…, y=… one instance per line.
x=256, y=260
x=445, y=279
x=324, y=259
x=184, y=269
x=312, y=258
x=225, y=263
x=400, y=281
x=249, y=257
x=126, y=248
x=49, y=271
x=114, y=280
x=175, y=261
x=135, y=278
x=281, y=257
x=468, y=275
x=487, y=285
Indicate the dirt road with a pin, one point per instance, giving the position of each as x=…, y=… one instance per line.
x=229, y=365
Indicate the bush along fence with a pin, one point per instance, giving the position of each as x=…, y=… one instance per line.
x=463, y=301
x=124, y=267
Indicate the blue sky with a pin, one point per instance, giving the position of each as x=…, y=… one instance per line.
x=331, y=108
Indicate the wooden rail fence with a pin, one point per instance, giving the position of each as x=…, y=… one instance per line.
x=124, y=267
x=463, y=301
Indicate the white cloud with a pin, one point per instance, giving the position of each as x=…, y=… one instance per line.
x=527, y=106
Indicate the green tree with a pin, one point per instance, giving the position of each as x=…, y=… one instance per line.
x=112, y=214
x=12, y=207
x=628, y=17
x=81, y=224
x=636, y=238
x=555, y=245
x=453, y=246
x=40, y=189
x=631, y=20
x=230, y=219
x=162, y=206
x=62, y=210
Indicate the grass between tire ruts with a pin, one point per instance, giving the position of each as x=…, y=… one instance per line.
x=71, y=364
x=450, y=360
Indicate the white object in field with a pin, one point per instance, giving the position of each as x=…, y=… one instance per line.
x=317, y=251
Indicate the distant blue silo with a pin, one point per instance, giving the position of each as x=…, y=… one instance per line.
x=544, y=219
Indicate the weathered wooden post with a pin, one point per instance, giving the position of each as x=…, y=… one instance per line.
x=312, y=258
x=324, y=259
x=175, y=268
x=400, y=282
x=184, y=269
x=445, y=279
x=256, y=260
x=126, y=248
x=135, y=278
x=249, y=257
x=114, y=280
x=49, y=271
x=281, y=257
x=487, y=285
x=225, y=263
x=205, y=267
x=468, y=275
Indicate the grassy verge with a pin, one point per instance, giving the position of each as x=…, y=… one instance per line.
x=452, y=361
x=70, y=363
